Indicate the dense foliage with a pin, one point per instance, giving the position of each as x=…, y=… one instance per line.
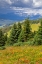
x=21, y=32
x=2, y=41
x=38, y=36
x=15, y=32
x=25, y=32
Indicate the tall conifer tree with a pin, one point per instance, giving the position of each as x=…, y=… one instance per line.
x=2, y=41
x=26, y=31
x=38, y=37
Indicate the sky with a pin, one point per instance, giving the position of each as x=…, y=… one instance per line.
x=20, y=9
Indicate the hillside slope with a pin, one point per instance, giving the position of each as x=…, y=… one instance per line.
x=35, y=27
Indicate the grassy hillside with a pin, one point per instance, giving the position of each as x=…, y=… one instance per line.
x=35, y=27
x=21, y=55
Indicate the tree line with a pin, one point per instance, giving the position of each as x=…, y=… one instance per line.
x=21, y=32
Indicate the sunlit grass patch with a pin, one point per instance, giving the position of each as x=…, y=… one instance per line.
x=35, y=27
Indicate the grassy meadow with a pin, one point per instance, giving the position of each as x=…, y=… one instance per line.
x=21, y=55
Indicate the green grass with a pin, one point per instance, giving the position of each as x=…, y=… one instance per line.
x=21, y=55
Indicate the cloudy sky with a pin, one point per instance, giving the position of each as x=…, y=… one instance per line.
x=20, y=9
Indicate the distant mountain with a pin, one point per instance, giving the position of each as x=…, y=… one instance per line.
x=6, y=22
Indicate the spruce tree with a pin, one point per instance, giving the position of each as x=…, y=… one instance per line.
x=5, y=37
x=13, y=37
x=2, y=41
x=38, y=37
x=26, y=31
x=18, y=30
x=15, y=32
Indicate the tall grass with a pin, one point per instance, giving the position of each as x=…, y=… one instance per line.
x=21, y=55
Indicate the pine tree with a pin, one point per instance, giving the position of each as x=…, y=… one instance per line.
x=26, y=31
x=13, y=37
x=2, y=41
x=38, y=37
x=18, y=30
x=5, y=37
x=15, y=32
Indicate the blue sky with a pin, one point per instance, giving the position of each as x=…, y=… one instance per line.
x=20, y=9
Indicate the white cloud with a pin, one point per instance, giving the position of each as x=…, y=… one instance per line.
x=23, y=7
x=37, y=3
x=25, y=1
x=9, y=1
x=27, y=11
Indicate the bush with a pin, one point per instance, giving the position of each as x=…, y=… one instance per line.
x=37, y=40
x=2, y=48
x=18, y=44
x=24, y=43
